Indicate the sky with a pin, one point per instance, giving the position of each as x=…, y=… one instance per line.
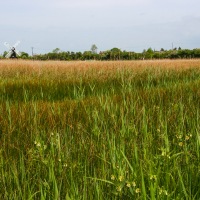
x=74, y=25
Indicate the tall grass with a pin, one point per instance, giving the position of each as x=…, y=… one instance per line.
x=100, y=130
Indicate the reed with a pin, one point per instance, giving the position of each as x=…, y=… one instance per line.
x=99, y=130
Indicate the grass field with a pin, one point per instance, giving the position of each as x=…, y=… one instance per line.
x=100, y=130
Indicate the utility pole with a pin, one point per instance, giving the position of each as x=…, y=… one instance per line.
x=32, y=50
x=172, y=46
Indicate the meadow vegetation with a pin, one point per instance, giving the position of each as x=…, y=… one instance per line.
x=100, y=130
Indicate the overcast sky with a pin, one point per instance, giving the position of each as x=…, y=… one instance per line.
x=74, y=25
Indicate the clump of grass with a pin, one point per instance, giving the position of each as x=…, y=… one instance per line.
x=99, y=130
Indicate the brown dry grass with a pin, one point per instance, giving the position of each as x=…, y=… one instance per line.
x=88, y=65
x=88, y=70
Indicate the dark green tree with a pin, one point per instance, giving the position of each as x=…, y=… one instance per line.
x=5, y=53
x=149, y=53
x=115, y=53
x=24, y=55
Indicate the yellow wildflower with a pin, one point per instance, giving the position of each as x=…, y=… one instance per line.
x=119, y=189
x=134, y=184
x=137, y=190
x=180, y=144
x=187, y=137
x=121, y=178
x=128, y=185
x=180, y=136
x=112, y=177
x=153, y=177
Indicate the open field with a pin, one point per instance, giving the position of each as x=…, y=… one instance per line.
x=100, y=130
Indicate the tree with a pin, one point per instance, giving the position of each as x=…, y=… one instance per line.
x=94, y=49
x=24, y=55
x=196, y=53
x=56, y=50
x=5, y=53
x=87, y=55
x=149, y=53
x=78, y=56
x=150, y=50
x=115, y=53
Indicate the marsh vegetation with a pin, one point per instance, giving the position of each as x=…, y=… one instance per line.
x=100, y=130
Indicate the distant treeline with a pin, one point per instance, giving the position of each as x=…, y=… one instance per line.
x=115, y=54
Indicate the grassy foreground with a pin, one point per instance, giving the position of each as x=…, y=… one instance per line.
x=100, y=130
